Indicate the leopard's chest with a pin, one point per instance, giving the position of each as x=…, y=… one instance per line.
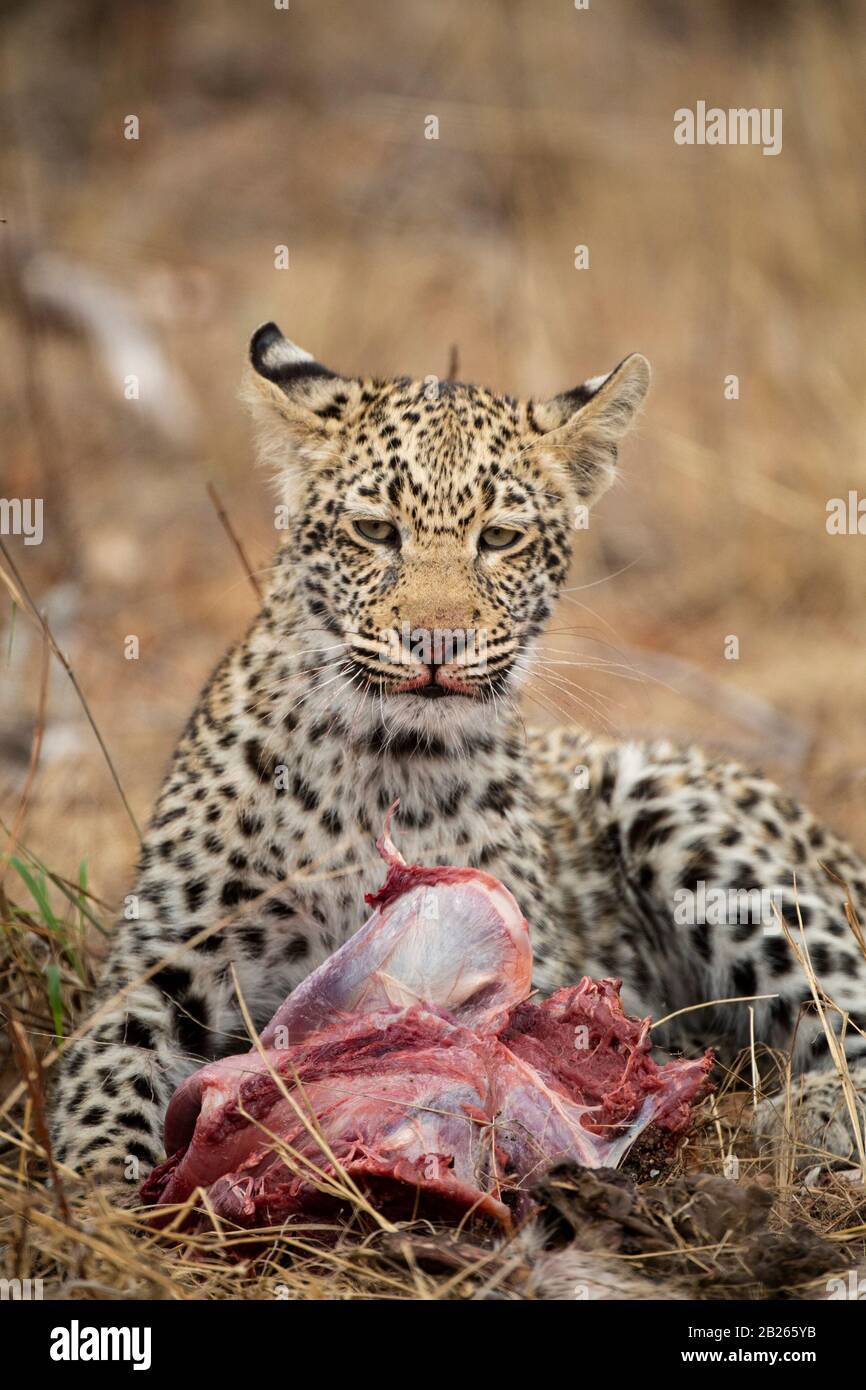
x=329, y=856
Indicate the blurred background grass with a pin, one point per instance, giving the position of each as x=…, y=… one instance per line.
x=262, y=127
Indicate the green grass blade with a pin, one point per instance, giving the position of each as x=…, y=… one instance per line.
x=39, y=893
x=55, y=998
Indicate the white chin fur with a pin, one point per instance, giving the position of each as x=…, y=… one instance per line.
x=458, y=712
x=459, y=715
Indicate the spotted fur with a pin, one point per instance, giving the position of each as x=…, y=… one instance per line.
x=261, y=845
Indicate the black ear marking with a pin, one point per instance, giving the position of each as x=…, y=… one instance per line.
x=265, y=333
x=580, y=396
x=618, y=392
x=278, y=359
x=263, y=338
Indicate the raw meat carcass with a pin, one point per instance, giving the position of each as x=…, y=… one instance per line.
x=413, y=1067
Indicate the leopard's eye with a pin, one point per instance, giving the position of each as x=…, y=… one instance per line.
x=499, y=537
x=379, y=532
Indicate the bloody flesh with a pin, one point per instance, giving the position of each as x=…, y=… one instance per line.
x=412, y=1065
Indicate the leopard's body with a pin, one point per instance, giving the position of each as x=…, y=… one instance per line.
x=446, y=510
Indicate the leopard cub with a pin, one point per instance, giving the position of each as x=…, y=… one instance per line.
x=417, y=512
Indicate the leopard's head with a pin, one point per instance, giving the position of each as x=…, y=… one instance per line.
x=429, y=525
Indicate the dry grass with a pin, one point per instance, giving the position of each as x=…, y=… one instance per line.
x=262, y=128
x=784, y=1222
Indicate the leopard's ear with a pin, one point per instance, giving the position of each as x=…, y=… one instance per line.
x=297, y=403
x=578, y=432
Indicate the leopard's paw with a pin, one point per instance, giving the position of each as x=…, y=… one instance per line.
x=816, y=1121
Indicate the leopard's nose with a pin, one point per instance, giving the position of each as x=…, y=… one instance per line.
x=439, y=620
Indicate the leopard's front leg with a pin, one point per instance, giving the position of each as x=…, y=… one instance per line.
x=115, y=1082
